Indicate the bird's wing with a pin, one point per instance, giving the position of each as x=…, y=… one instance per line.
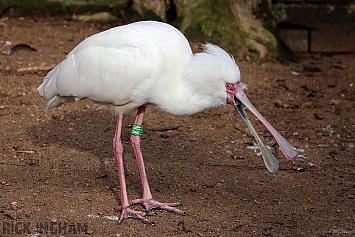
x=120, y=65
x=105, y=67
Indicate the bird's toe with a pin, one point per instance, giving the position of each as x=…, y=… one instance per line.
x=129, y=213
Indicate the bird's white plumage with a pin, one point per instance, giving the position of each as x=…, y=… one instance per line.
x=130, y=66
x=140, y=63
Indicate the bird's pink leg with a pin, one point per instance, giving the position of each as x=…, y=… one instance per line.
x=118, y=150
x=147, y=199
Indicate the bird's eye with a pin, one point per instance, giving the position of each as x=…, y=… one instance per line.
x=228, y=86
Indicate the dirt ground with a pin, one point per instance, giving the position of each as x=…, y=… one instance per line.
x=58, y=175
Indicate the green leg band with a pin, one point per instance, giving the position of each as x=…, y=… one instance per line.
x=137, y=129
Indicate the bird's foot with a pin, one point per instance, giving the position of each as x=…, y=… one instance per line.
x=151, y=204
x=138, y=215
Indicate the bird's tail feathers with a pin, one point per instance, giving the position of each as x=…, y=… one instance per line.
x=57, y=101
x=48, y=88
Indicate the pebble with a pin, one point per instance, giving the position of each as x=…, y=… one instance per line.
x=11, y=214
x=14, y=205
x=328, y=128
x=229, y=152
x=294, y=73
x=334, y=102
x=89, y=232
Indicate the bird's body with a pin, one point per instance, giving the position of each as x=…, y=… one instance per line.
x=131, y=66
x=136, y=64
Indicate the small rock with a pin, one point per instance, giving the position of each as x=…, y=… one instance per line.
x=102, y=174
x=323, y=145
x=11, y=214
x=334, y=102
x=318, y=116
x=14, y=206
x=328, y=128
x=294, y=73
x=89, y=232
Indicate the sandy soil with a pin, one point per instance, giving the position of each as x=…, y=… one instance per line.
x=58, y=175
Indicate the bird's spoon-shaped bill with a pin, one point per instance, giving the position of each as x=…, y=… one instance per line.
x=270, y=161
x=287, y=149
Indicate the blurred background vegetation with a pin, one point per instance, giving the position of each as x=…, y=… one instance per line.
x=256, y=30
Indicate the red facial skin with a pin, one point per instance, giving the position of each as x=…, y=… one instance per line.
x=231, y=90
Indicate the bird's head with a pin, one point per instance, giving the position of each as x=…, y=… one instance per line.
x=224, y=76
x=216, y=78
x=210, y=73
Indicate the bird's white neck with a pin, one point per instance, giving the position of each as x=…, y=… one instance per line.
x=190, y=92
x=184, y=100
x=197, y=85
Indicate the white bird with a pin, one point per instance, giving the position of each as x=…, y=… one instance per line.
x=131, y=66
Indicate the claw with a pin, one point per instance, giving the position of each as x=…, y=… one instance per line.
x=129, y=213
x=152, y=204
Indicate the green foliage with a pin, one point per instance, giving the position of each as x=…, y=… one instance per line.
x=264, y=13
x=30, y=7
x=148, y=15
x=212, y=21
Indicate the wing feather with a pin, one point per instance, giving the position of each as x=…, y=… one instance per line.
x=116, y=66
